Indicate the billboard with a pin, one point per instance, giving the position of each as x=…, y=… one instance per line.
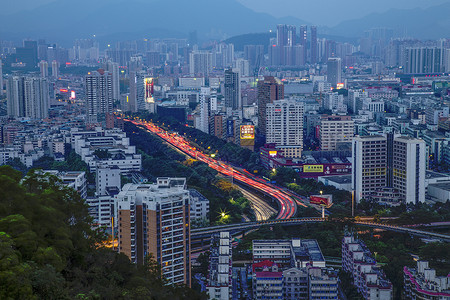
x=247, y=132
x=273, y=153
x=320, y=200
x=230, y=128
x=149, y=90
x=313, y=169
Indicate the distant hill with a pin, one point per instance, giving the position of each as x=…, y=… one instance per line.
x=67, y=19
x=428, y=23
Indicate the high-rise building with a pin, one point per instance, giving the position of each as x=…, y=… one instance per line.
x=285, y=126
x=27, y=97
x=220, y=282
x=243, y=66
x=55, y=69
x=334, y=71
x=282, y=35
x=232, y=90
x=153, y=219
x=1, y=77
x=335, y=130
x=98, y=91
x=424, y=60
x=113, y=68
x=291, y=35
x=136, y=99
x=303, y=41
x=369, y=166
x=409, y=168
x=374, y=168
x=200, y=62
x=205, y=108
x=43, y=67
x=269, y=90
x=254, y=54
x=313, y=48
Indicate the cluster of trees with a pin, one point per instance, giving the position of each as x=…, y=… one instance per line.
x=48, y=249
x=160, y=160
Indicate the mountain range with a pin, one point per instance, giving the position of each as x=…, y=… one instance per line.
x=65, y=20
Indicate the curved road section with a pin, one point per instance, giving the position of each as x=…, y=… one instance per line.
x=287, y=205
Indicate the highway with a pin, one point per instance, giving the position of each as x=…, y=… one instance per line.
x=263, y=211
x=287, y=205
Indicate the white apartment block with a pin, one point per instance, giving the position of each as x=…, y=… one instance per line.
x=397, y=162
x=285, y=126
x=409, y=166
x=73, y=179
x=369, y=165
x=107, y=178
x=368, y=277
x=219, y=286
x=199, y=206
x=334, y=130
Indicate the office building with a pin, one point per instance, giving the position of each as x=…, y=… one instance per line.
x=269, y=90
x=220, y=282
x=368, y=277
x=285, y=126
x=422, y=283
x=27, y=97
x=43, y=67
x=202, y=123
x=374, y=168
x=335, y=130
x=55, y=69
x=334, y=71
x=99, y=100
x=153, y=219
x=232, y=86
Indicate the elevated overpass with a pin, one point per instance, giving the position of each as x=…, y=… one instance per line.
x=202, y=233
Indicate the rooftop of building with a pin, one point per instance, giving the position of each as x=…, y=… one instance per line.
x=434, y=175
x=441, y=185
x=340, y=179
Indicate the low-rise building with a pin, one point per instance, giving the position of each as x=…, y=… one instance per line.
x=368, y=278
x=422, y=283
x=219, y=285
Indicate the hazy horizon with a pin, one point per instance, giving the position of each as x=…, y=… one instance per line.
x=320, y=12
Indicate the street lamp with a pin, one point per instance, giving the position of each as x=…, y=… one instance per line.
x=321, y=192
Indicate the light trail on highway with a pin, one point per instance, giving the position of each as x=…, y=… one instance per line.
x=287, y=205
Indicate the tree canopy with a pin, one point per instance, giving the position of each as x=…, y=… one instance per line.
x=48, y=249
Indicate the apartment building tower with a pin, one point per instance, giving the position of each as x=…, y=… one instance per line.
x=285, y=126
x=154, y=219
x=99, y=98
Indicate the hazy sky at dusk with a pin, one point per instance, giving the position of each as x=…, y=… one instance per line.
x=321, y=12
